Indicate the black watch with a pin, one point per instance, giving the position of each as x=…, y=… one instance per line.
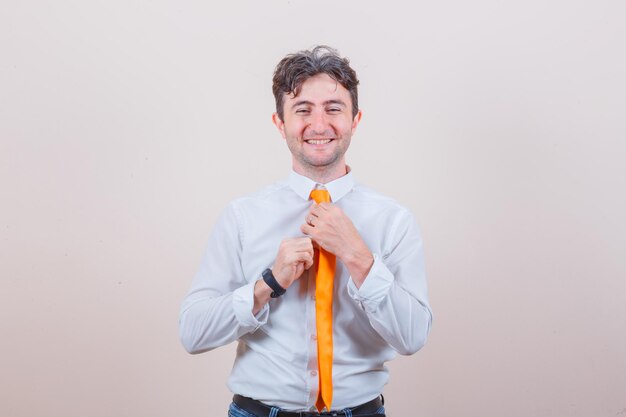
x=269, y=279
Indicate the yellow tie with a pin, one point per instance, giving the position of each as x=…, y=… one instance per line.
x=324, y=317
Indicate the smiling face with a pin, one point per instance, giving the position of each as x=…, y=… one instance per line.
x=317, y=126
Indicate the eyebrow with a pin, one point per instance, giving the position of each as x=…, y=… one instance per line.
x=326, y=103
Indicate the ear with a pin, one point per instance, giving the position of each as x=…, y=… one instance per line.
x=280, y=125
x=356, y=120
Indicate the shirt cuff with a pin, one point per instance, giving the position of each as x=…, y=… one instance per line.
x=243, y=303
x=375, y=287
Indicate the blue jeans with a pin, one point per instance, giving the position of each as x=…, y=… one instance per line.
x=236, y=411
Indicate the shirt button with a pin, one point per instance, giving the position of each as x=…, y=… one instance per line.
x=313, y=373
x=314, y=337
x=313, y=297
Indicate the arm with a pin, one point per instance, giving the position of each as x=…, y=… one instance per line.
x=390, y=287
x=394, y=294
x=218, y=308
x=222, y=305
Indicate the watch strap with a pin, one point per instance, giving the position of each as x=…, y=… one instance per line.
x=270, y=280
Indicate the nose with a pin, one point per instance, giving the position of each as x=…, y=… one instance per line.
x=318, y=122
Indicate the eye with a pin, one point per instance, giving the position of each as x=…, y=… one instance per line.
x=302, y=111
x=334, y=110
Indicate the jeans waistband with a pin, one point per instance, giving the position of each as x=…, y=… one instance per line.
x=259, y=409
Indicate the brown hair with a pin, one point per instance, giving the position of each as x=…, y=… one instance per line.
x=294, y=69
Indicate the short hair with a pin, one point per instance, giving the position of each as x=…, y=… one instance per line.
x=294, y=69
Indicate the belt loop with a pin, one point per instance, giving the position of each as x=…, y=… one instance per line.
x=274, y=412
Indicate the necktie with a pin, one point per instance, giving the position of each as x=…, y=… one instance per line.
x=324, y=317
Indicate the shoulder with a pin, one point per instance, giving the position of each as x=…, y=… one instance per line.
x=376, y=200
x=265, y=194
x=369, y=205
x=258, y=199
x=255, y=204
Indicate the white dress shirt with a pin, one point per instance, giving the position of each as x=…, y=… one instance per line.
x=276, y=360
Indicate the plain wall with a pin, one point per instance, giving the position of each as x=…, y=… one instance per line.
x=127, y=126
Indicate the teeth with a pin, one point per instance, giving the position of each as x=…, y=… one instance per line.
x=318, y=142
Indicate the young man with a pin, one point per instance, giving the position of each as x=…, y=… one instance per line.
x=320, y=279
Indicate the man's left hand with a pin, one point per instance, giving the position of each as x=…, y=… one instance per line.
x=333, y=230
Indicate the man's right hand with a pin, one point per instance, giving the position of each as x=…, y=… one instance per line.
x=294, y=256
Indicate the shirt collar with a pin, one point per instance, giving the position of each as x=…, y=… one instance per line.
x=337, y=189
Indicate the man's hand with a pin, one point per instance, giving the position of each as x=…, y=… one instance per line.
x=332, y=230
x=294, y=256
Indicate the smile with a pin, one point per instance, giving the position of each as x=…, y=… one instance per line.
x=318, y=141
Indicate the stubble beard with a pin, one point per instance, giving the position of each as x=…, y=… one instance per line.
x=316, y=165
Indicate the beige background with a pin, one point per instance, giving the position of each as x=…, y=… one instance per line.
x=126, y=126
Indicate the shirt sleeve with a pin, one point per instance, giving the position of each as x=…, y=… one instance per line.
x=394, y=294
x=218, y=308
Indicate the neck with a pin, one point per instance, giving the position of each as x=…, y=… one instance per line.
x=322, y=175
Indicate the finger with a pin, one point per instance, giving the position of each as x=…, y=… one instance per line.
x=296, y=258
x=319, y=245
x=305, y=258
x=304, y=243
x=316, y=210
x=308, y=261
x=300, y=269
x=324, y=206
x=309, y=218
x=307, y=230
x=309, y=244
x=308, y=250
x=296, y=243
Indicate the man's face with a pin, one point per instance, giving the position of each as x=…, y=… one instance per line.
x=318, y=125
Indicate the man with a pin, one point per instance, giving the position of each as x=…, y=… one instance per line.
x=319, y=294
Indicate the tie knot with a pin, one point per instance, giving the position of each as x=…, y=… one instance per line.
x=320, y=196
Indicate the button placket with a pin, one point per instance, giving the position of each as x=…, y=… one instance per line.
x=312, y=377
